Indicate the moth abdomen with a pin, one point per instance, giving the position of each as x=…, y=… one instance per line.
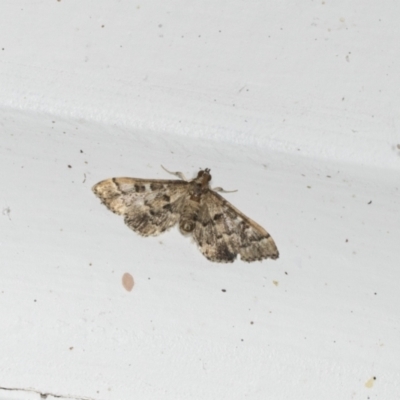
x=189, y=217
x=186, y=225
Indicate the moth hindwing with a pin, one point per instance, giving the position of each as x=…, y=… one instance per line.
x=151, y=206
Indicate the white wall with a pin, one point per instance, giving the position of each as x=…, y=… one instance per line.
x=295, y=104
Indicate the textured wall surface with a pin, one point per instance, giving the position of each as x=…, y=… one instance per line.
x=295, y=104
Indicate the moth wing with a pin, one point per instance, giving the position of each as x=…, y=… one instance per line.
x=222, y=232
x=149, y=206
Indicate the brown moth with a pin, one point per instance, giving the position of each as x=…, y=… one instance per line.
x=151, y=206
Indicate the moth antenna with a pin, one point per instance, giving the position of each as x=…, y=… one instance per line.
x=178, y=174
x=219, y=189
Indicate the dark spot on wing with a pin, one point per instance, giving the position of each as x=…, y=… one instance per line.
x=156, y=186
x=217, y=217
x=224, y=254
x=166, y=198
x=244, y=226
x=206, y=222
x=139, y=188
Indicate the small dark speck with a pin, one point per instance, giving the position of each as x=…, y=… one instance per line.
x=370, y=202
x=286, y=273
x=148, y=278
x=251, y=322
x=347, y=240
x=34, y=300
x=224, y=290
x=81, y=151
x=241, y=340
x=375, y=293
x=328, y=176
x=308, y=187
x=102, y=26
x=398, y=146
x=69, y=166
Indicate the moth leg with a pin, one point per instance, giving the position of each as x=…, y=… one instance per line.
x=219, y=189
x=178, y=174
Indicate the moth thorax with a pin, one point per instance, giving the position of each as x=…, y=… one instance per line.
x=188, y=219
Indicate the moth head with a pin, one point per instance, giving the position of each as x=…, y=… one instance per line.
x=205, y=174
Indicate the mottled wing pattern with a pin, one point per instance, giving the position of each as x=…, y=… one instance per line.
x=149, y=206
x=222, y=232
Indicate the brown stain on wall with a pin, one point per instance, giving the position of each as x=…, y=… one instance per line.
x=127, y=281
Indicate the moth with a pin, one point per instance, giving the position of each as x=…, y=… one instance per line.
x=221, y=231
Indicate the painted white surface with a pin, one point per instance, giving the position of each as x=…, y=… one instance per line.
x=274, y=98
